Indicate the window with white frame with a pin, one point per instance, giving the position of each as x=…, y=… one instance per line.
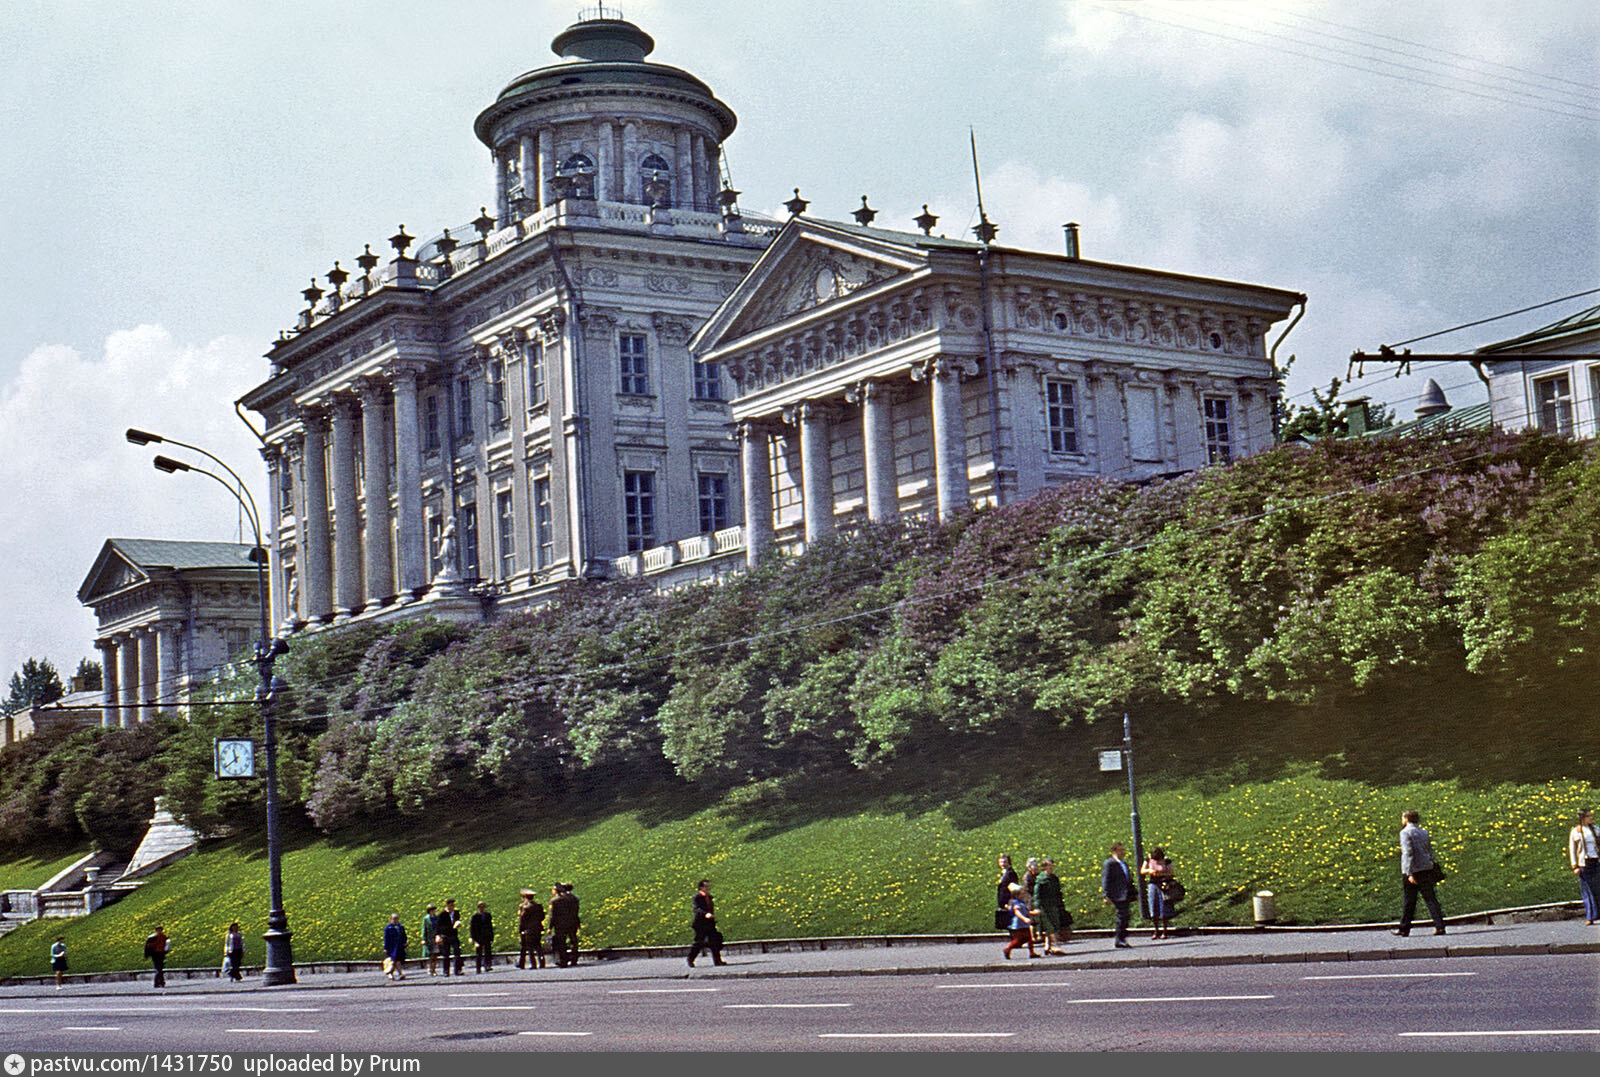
x=1553, y=397
x=1219, y=429
x=639, y=509
x=1061, y=414
x=469, y=540
x=713, y=491
x=544, y=541
x=707, y=381
x=464, y=406
x=497, y=393
x=430, y=422
x=634, y=356
x=536, y=375
x=506, y=523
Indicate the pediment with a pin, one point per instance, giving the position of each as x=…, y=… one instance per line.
x=112, y=572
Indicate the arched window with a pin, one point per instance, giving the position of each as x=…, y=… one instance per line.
x=655, y=181
x=578, y=171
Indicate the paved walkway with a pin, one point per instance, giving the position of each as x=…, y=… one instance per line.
x=907, y=955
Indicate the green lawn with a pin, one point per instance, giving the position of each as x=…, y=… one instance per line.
x=33, y=871
x=1325, y=846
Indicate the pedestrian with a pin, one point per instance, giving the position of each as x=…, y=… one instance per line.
x=1116, y=883
x=481, y=930
x=58, y=959
x=430, y=938
x=564, y=924
x=1419, y=873
x=233, y=952
x=1159, y=877
x=394, y=948
x=1021, y=922
x=704, y=924
x=1002, y=894
x=1583, y=850
x=1053, y=920
x=530, y=931
x=447, y=935
x=1030, y=876
x=156, y=947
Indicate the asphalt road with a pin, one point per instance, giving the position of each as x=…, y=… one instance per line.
x=1493, y=1004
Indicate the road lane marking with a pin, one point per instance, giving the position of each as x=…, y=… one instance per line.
x=788, y=1005
x=482, y=1009
x=664, y=991
x=1168, y=998
x=275, y=1031
x=1388, y=976
x=1514, y=1032
x=991, y=987
x=478, y=994
x=913, y=1035
x=555, y=1033
x=162, y=1009
x=91, y=1028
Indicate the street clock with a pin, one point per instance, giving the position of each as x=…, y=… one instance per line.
x=235, y=758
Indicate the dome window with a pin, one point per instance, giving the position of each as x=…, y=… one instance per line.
x=578, y=173
x=655, y=179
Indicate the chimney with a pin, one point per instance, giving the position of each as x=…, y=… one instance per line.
x=1355, y=418
x=1071, y=228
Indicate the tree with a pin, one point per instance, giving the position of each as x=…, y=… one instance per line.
x=1328, y=416
x=88, y=676
x=36, y=684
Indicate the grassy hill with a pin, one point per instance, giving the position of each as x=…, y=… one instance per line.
x=781, y=868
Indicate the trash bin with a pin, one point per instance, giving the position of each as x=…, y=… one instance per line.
x=1266, y=907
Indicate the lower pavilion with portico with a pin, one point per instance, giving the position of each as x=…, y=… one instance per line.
x=883, y=373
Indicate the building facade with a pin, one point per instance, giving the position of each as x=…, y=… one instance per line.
x=170, y=614
x=880, y=373
x=517, y=401
x=1548, y=379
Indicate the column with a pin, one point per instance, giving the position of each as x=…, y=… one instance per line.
x=128, y=691
x=683, y=172
x=949, y=438
x=149, y=673
x=547, y=162
x=877, y=444
x=275, y=600
x=375, y=449
x=502, y=200
x=632, y=183
x=605, y=163
x=346, y=517
x=408, y=484
x=703, y=187
x=316, y=574
x=528, y=168
x=757, y=471
x=169, y=661
x=109, y=714
x=816, y=472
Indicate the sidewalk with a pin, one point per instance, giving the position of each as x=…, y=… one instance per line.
x=914, y=955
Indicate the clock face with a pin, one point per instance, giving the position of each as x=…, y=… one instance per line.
x=236, y=759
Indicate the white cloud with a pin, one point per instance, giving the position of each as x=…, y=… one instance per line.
x=74, y=481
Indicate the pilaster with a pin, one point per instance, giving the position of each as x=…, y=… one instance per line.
x=314, y=544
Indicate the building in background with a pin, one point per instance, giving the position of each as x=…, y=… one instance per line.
x=170, y=613
x=1553, y=381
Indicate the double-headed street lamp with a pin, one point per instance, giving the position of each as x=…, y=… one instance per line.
x=280, y=954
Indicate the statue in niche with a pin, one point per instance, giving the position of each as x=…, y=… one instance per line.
x=447, y=576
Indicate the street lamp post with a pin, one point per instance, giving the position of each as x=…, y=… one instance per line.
x=279, y=969
x=1133, y=804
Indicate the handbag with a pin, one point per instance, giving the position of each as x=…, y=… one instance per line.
x=1172, y=890
x=1434, y=874
x=1002, y=919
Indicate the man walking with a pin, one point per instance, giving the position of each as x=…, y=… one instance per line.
x=1116, y=883
x=704, y=924
x=481, y=930
x=1419, y=873
x=564, y=925
x=530, y=931
x=156, y=946
x=448, y=936
x=430, y=939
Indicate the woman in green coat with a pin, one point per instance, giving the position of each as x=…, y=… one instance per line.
x=1053, y=919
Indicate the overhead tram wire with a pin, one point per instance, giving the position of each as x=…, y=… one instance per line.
x=1496, y=98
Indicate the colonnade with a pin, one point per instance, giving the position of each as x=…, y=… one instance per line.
x=695, y=179
x=139, y=670
x=815, y=419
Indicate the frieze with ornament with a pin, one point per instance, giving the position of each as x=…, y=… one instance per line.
x=1132, y=321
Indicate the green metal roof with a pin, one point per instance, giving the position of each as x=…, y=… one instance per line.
x=1470, y=417
x=168, y=553
x=1584, y=321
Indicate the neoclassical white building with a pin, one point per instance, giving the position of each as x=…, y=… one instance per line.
x=170, y=613
x=879, y=372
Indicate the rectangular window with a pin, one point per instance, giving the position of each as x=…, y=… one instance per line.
x=507, y=521
x=707, y=381
x=469, y=540
x=543, y=524
x=497, y=393
x=639, y=508
x=1594, y=399
x=435, y=541
x=236, y=640
x=635, y=359
x=1061, y=415
x=713, y=501
x=1553, y=398
x=430, y=423
x=1219, y=429
x=535, y=376
x=464, y=407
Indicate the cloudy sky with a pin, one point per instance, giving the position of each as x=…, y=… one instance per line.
x=172, y=174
